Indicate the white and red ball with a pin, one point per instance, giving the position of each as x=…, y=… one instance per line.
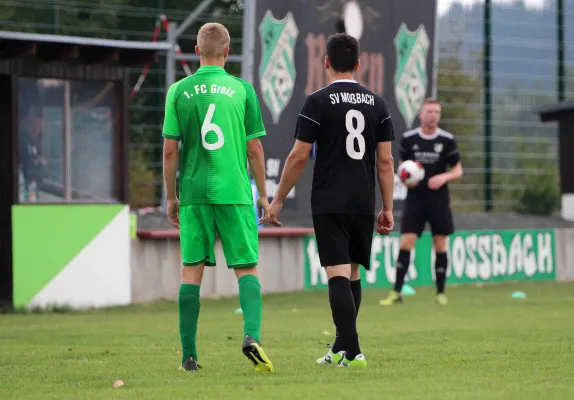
x=411, y=172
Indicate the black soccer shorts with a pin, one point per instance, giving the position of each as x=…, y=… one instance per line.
x=416, y=213
x=344, y=238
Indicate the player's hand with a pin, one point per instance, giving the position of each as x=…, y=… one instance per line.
x=436, y=182
x=409, y=185
x=275, y=208
x=385, y=222
x=173, y=212
x=263, y=208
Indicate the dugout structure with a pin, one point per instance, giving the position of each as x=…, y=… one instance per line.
x=563, y=113
x=64, y=219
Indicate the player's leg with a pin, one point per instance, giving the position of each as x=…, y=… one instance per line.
x=361, y=240
x=362, y=228
x=440, y=267
x=252, y=306
x=333, y=243
x=237, y=228
x=408, y=241
x=197, y=237
x=356, y=286
x=345, y=315
x=357, y=297
x=412, y=224
x=189, y=306
x=441, y=227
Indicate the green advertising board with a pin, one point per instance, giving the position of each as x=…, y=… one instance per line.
x=474, y=257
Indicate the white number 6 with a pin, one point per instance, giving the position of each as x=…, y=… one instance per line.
x=355, y=134
x=209, y=126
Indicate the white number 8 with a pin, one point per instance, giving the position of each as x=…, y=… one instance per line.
x=355, y=134
x=209, y=126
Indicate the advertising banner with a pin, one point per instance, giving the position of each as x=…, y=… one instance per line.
x=397, y=48
x=71, y=255
x=474, y=257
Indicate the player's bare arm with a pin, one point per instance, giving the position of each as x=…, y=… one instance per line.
x=170, y=155
x=386, y=179
x=256, y=158
x=454, y=174
x=294, y=166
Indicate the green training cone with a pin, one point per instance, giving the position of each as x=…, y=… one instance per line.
x=408, y=291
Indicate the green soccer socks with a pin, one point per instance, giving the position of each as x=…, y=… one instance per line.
x=251, y=305
x=188, y=316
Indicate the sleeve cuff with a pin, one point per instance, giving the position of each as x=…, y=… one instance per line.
x=453, y=161
x=306, y=140
x=168, y=136
x=256, y=135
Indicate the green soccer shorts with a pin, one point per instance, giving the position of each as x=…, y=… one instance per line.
x=234, y=224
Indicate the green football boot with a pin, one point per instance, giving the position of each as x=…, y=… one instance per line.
x=394, y=298
x=255, y=353
x=331, y=358
x=441, y=299
x=358, y=362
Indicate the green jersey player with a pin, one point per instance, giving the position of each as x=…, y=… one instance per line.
x=218, y=120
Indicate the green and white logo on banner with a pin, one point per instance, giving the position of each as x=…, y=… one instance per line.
x=411, y=80
x=277, y=66
x=474, y=257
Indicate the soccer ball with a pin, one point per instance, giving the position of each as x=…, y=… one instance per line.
x=411, y=172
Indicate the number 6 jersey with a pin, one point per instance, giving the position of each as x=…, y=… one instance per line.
x=214, y=114
x=346, y=120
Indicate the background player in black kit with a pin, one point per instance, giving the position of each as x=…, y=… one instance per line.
x=429, y=200
x=353, y=131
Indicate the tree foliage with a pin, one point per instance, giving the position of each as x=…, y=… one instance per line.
x=460, y=96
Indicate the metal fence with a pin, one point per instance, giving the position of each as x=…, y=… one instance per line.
x=491, y=101
x=503, y=145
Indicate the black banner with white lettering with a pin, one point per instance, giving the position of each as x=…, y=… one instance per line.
x=397, y=48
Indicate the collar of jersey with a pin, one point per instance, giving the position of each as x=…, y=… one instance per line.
x=210, y=68
x=344, y=81
x=428, y=137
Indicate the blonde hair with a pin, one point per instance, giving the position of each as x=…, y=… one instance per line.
x=212, y=40
x=431, y=101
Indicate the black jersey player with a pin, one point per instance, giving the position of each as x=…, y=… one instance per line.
x=353, y=131
x=429, y=200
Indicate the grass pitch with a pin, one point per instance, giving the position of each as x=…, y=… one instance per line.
x=483, y=345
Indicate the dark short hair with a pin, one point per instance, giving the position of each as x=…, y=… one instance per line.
x=343, y=52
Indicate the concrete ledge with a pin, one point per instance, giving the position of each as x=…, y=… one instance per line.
x=568, y=206
x=263, y=232
x=565, y=255
x=156, y=265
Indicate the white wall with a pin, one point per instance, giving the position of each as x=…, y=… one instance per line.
x=156, y=269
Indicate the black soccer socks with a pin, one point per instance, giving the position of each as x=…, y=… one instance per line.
x=402, y=268
x=440, y=266
x=357, y=296
x=344, y=315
